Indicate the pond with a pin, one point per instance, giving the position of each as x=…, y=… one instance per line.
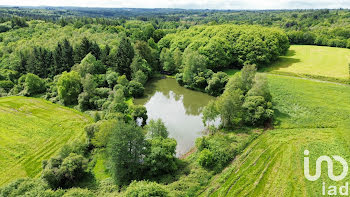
x=179, y=108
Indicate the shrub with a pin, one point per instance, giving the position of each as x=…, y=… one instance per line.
x=216, y=84
x=136, y=89
x=146, y=189
x=6, y=85
x=206, y=158
x=58, y=172
x=28, y=187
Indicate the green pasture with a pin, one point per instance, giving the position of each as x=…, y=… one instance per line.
x=32, y=130
x=309, y=60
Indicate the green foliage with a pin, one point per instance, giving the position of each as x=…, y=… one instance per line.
x=89, y=65
x=112, y=78
x=216, y=84
x=62, y=57
x=139, y=111
x=125, y=152
x=79, y=192
x=257, y=110
x=167, y=61
x=210, y=112
x=123, y=57
x=227, y=45
x=122, y=80
x=161, y=159
x=28, y=187
x=246, y=100
x=7, y=85
x=69, y=87
x=33, y=85
x=66, y=169
x=156, y=128
x=136, y=89
x=146, y=189
x=206, y=159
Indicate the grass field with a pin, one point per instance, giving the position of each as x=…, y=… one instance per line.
x=314, y=61
x=32, y=130
x=309, y=115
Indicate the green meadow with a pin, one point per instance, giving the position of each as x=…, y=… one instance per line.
x=309, y=115
x=306, y=60
x=32, y=130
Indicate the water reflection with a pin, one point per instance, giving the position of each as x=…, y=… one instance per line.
x=179, y=108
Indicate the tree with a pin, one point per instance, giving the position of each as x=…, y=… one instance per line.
x=194, y=63
x=140, y=77
x=126, y=149
x=112, y=78
x=248, y=75
x=167, y=61
x=230, y=108
x=69, y=87
x=139, y=111
x=161, y=158
x=40, y=62
x=257, y=110
x=216, y=84
x=122, y=80
x=62, y=57
x=206, y=159
x=105, y=56
x=158, y=35
x=82, y=50
x=33, y=85
x=64, y=172
x=85, y=98
x=136, y=89
x=156, y=128
x=124, y=56
x=89, y=65
x=210, y=112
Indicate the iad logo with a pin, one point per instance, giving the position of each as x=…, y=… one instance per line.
x=331, y=190
x=330, y=167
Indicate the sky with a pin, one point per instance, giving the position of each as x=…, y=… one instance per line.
x=188, y=4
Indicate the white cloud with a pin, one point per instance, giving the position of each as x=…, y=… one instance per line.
x=211, y=4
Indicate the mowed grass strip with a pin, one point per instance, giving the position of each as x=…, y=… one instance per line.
x=314, y=60
x=32, y=130
x=309, y=115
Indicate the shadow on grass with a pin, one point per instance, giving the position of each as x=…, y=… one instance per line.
x=282, y=62
x=279, y=116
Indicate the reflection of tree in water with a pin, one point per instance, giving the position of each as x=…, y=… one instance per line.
x=193, y=101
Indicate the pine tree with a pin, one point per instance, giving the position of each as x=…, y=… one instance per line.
x=82, y=50
x=124, y=56
x=62, y=57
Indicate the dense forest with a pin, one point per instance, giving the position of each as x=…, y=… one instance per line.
x=98, y=60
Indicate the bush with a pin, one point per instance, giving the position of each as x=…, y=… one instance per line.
x=216, y=84
x=28, y=187
x=206, y=158
x=146, y=189
x=136, y=89
x=59, y=172
x=6, y=85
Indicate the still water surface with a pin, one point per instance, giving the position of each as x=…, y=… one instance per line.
x=179, y=108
